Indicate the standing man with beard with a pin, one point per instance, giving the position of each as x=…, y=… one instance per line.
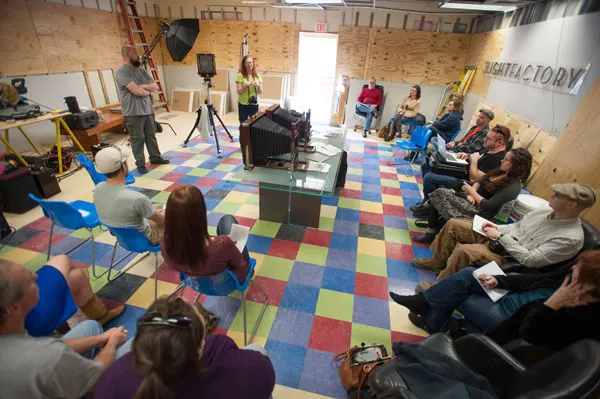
x=136, y=88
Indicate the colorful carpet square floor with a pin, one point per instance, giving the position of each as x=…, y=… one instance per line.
x=327, y=287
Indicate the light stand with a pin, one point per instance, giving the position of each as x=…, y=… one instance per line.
x=211, y=112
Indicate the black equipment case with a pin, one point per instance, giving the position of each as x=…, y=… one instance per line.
x=15, y=187
x=82, y=120
x=46, y=182
x=440, y=166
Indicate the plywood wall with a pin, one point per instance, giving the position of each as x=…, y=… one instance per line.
x=273, y=45
x=38, y=37
x=523, y=133
x=575, y=156
x=353, y=43
x=20, y=49
x=429, y=58
x=75, y=39
x=484, y=47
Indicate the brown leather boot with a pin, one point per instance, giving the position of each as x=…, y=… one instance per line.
x=96, y=310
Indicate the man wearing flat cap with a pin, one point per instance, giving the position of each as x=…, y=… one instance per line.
x=543, y=237
x=119, y=206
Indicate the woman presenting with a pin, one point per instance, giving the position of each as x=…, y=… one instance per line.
x=249, y=87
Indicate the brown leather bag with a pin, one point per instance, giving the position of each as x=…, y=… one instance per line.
x=357, y=376
x=383, y=131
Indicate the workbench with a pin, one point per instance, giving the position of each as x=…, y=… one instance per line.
x=112, y=123
x=59, y=123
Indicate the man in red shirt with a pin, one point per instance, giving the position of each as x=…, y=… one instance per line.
x=369, y=101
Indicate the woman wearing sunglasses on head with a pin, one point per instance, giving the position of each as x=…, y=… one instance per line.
x=485, y=197
x=172, y=357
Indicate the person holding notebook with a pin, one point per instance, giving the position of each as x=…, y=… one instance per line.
x=187, y=246
x=485, y=197
x=543, y=237
x=480, y=163
x=542, y=308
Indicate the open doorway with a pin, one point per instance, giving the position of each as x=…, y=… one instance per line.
x=316, y=74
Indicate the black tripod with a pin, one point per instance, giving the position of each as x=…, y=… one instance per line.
x=211, y=111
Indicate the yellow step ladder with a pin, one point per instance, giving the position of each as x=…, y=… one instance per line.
x=460, y=87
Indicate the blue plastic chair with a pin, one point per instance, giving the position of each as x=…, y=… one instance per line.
x=455, y=134
x=133, y=241
x=223, y=284
x=418, y=142
x=73, y=216
x=96, y=176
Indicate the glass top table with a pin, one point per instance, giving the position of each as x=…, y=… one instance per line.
x=310, y=182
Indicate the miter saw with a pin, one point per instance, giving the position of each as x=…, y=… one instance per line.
x=13, y=106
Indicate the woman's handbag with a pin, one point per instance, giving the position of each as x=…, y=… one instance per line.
x=356, y=375
x=384, y=130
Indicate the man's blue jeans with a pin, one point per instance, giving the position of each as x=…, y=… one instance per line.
x=366, y=108
x=461, y=291
x=91, y=328
x=433, y=181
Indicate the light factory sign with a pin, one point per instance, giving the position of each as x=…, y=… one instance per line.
x=561, y=79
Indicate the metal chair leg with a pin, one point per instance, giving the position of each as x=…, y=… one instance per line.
x=389, y=162
x=94, y=262
x=50, y=241
x=196, y=298
x=155, y=275
x=244, y=306
x=180, y=288
x=113, y=263
x=260, y=315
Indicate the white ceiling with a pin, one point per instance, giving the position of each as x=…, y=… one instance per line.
x=417, y=6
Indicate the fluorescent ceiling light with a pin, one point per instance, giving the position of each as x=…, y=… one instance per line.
x=302, y=6
x=254, y=2
x=309, y=2
x=478, y=7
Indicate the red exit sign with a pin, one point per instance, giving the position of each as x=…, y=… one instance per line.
x=321, y=27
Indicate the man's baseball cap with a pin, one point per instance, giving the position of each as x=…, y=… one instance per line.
x=487, y=112
x=583, y=194
x=110, y=159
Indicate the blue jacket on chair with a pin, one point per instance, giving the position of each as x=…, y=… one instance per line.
x=447, y=125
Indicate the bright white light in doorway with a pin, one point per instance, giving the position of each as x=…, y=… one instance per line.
x=478, y=7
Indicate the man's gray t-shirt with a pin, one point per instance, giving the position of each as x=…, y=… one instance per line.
x=35, y=368
x=119, y=206
x=130, y=103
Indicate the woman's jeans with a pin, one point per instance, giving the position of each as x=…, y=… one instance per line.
x=224, y=228
x=246, y=111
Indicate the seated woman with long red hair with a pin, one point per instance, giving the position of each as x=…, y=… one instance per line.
x=187, y=246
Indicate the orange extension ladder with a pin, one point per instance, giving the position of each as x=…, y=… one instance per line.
x=132, y=15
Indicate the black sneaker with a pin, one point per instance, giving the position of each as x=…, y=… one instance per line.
x=142, y=169
x=418, y=321
x=160, y=161
x=426, y=238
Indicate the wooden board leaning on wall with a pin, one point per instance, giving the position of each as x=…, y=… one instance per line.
x=428, y=58
x=484, y=47
x=271, y=43
x=523, y=132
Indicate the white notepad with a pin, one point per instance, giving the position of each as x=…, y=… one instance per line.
x=478, y=221
x=239, y=234
x=491, y=269
x=319, y=167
